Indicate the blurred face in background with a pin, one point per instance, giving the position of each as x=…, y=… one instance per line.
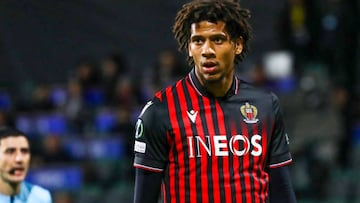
x=108, y=68
x=14, y=159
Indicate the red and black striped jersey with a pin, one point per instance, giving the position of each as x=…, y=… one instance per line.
x=212, y=150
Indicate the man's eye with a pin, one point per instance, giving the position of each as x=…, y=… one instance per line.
x=218, y=40
x=197, y=41
x=9, y=151
x=25, y=151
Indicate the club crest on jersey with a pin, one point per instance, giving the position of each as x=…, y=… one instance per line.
x=249, y=112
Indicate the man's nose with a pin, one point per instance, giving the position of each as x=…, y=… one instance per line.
x=208, y=49
x=19, y=157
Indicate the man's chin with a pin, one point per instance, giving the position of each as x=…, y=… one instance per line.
x=16, y=180
x=212, y=79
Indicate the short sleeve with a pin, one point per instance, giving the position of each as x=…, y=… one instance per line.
x=151, y=147
x=279, y=143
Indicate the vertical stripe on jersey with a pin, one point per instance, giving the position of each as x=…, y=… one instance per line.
x=163, y=189
x=246, y=165
x=251, y=169
x=202, y=162
x=218, y=166
x=189, y=176
x=213, y=167
x=257, y=167
x=264, y=176
x=237, y=127
x=225, y=165
x=175, y=183
x=236, y=167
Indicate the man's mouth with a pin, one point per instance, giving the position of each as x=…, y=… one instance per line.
x=17, y=171
x=209, y=64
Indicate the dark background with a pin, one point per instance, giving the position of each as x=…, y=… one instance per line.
x=42, y=41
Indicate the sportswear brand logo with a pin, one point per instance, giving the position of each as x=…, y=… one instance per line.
x=192, y=115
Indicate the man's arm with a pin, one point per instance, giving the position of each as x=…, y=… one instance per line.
x=147, y=186
x=281, y=190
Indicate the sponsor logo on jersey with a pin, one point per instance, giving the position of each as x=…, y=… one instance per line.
x=139, y=128
x=249, y=112
x=222, y=145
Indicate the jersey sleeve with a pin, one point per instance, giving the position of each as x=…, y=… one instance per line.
x=279, y=149
x=151, y=147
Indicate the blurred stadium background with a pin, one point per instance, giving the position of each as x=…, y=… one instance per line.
x=75, y=74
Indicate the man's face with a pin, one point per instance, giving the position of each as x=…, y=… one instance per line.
x=14, y=159
x=213, y=51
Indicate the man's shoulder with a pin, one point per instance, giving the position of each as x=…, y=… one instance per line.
x=161, y=96
x=4, y=198
x=37, y=193
x=157, y=107
x=171, y=87
x=251, y=88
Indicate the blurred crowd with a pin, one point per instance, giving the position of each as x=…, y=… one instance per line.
x=315, y=72
x=82, y=130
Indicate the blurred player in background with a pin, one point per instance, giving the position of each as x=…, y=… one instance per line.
x=14, y=164
x=211, y=137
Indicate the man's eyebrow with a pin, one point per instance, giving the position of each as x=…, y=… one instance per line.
x=9, y=148
x=222, y=35
x=219, y=35
x=196, y=36
x=16, y=147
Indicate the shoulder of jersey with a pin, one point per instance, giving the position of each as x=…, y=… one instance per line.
x=157, y=103
x=149, y=106
x=41, y=194
x=249, y=86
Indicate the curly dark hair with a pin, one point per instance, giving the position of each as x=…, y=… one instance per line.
x=230, y=12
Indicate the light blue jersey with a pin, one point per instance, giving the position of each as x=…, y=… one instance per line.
x=29, y=193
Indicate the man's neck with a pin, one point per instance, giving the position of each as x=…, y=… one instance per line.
x=219, y=88
x=10, y=188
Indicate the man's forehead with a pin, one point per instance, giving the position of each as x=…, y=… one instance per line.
x=14, y=142
x=205, y=24
x=204, y=27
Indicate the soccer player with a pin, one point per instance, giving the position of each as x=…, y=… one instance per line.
x=210, y=137
x=14, y=164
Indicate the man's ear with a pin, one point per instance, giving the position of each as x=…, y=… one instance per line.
x=239, y=45
x=189, y=52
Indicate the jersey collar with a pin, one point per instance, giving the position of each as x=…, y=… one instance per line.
x=202, y=91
